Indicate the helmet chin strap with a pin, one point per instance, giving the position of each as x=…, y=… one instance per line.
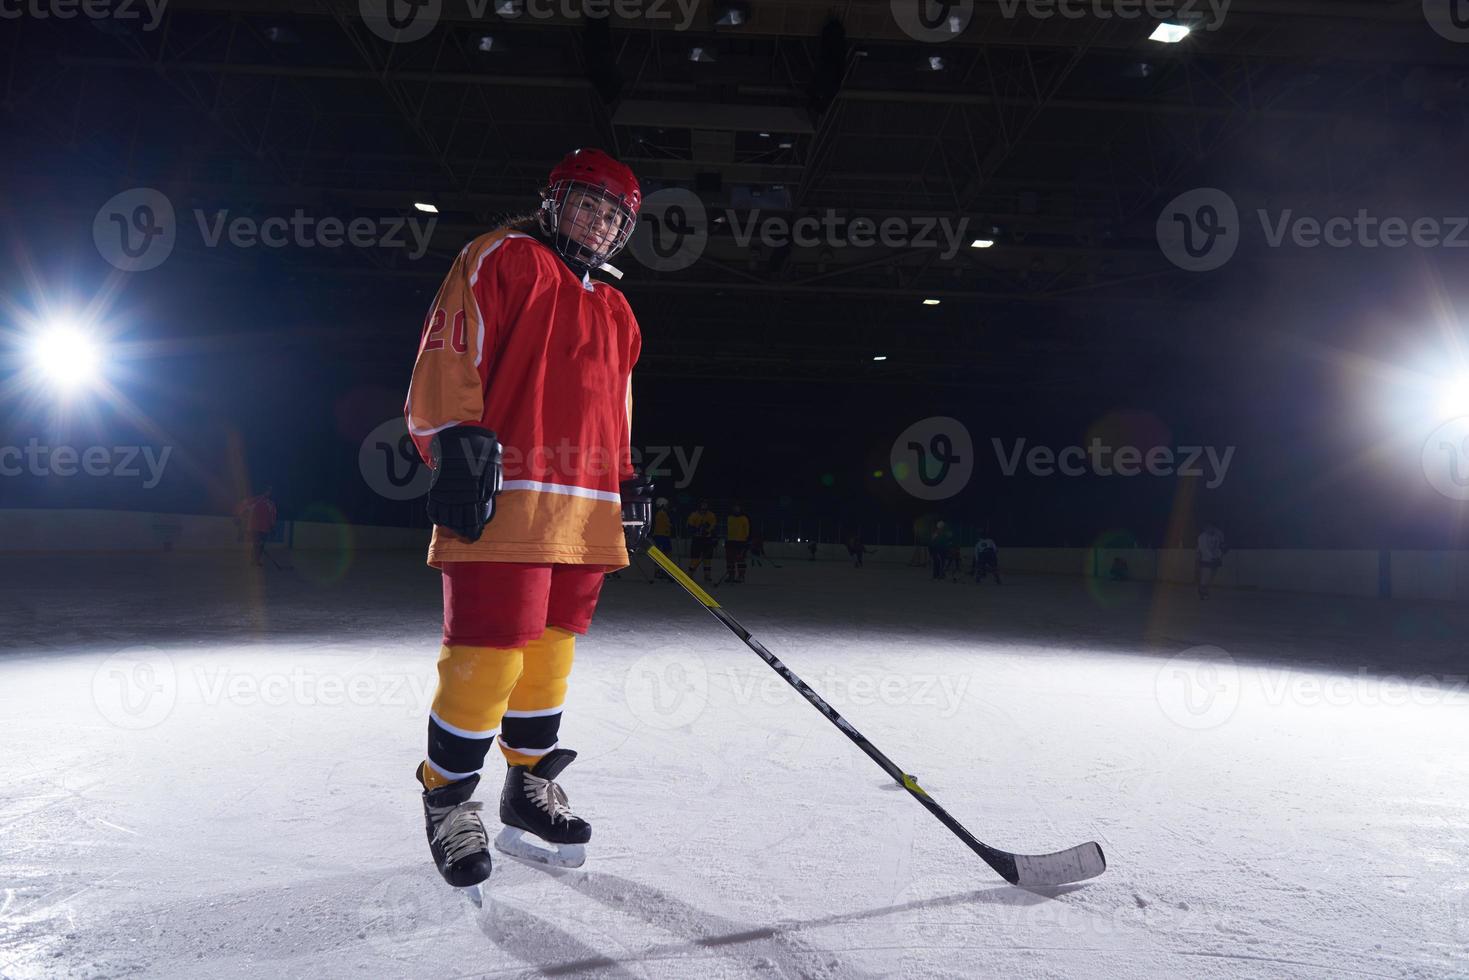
x=567, y=247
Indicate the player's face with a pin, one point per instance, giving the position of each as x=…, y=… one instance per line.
x=592, y=220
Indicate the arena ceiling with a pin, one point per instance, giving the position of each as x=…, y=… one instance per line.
x=1057, y=137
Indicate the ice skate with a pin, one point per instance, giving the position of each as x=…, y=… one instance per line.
x=456, y=837
x=539, y=826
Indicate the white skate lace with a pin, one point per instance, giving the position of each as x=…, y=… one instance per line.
x=460, y=831
x=549, y=797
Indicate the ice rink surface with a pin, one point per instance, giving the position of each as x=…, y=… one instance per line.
x=207, y=772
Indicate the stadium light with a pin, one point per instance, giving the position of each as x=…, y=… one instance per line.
x=1170, y=33
x=1453, y=397
x=66, y=358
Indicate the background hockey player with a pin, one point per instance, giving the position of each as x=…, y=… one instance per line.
x=939, y=546
x=701, y=524
x=757, y=548
x=736, y=541
x=521, y=403
x=986, y=559
x=1211, y=556
x=256, y=516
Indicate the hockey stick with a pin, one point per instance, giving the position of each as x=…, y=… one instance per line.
x=1073, y=864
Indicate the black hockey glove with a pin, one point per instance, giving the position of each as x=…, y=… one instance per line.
x=467, y=475
x=637, y=511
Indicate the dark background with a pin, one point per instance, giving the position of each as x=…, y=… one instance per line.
x=270, y=365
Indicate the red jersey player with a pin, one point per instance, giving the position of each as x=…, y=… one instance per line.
x=521, y=402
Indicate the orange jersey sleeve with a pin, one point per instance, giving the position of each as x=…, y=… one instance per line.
x=460, y=336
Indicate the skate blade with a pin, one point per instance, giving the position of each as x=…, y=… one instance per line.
x=516, y=843
x=475, y=894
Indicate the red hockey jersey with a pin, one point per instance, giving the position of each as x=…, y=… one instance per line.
x=515, y=342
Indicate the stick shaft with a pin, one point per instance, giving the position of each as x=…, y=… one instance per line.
x=1001, y=861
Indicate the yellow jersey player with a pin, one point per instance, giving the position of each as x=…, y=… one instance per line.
x=701, y=546
x=736, y=542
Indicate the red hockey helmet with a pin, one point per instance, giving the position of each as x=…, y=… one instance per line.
x=590, y=207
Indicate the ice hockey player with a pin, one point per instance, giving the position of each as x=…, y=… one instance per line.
x=986, y=559
x=939, y=547
x=736, y=541
x=255, y=516
x=701, y=525
x=1211, y=556
x=521, y=403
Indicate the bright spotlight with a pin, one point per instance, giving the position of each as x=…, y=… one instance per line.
x=1453, y=397
x=66, y=357
x=1170, y=33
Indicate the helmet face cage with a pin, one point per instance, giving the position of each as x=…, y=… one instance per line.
x=587, y=222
